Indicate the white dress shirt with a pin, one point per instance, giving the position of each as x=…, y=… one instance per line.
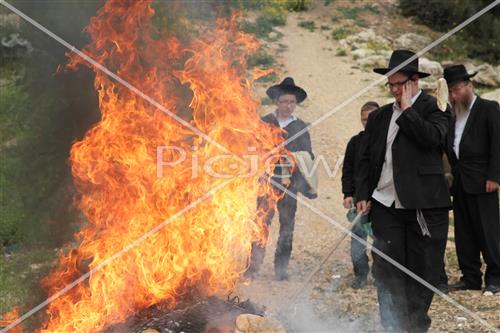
x=460, y=123
x=385, y=193
x=284, y=122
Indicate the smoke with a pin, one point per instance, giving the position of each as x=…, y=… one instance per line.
x=321, y=308
x=304, y=318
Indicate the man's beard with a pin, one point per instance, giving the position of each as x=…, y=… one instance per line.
x=461, y=107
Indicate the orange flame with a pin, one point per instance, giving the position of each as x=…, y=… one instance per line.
x=8, y=318
x=205, y=250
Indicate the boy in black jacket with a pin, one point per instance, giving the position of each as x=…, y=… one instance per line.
x=351, y=159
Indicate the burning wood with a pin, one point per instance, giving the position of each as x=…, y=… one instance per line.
x=210, y=315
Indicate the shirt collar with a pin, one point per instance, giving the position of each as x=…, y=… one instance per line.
x=414, y=98
x=472, y=103
x=286, y=121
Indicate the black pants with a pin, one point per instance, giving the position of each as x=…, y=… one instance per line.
x=287, y=206
x=358, y=254
x=404, y=302
x=477, y=230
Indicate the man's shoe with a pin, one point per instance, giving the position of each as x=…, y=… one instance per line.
x=443, y=288
x=359, y=282
x=491, y=290
x=462, y=285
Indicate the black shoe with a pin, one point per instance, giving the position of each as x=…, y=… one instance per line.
x=359, y=282
x=443, y=288
x=491, y=289
x=462, y=285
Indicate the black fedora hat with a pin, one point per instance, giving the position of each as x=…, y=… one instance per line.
x=397, y=58
x=456, y=73
x=287, y=86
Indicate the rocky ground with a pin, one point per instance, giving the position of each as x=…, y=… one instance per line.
x=331, y=79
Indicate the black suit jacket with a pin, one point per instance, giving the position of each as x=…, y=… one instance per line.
x=417, y=154
x=350, y=166
x=300, y=143
x=479, y=149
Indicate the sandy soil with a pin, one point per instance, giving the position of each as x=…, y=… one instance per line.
x=328, y=303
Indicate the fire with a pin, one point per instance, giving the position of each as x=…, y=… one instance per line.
x=9, y=317
x=205, y=250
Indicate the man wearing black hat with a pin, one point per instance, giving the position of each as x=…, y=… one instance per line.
x=402, y=184
x=474, y=152
x=286, y=96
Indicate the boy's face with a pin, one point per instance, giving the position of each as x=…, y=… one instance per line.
x=286, y=104
x=364, y=116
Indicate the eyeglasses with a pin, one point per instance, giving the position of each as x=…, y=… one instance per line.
x=287, y=102
x=396, y=84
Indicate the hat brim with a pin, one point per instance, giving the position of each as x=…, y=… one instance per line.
x=275, y=91
x=460, y=78
x=384, y=71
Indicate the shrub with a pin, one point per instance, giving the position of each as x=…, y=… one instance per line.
x=341, y=33
x=261, y=59
x=479, y=39
x=309, y=25
x=341, y=53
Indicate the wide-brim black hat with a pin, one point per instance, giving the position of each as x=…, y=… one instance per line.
x=456, y=73
x=287, y=86
x=397, y=58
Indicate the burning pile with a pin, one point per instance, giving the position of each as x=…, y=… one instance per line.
x=124, y=195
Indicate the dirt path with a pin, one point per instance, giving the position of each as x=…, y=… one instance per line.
x=329, y=80
x=329, y=304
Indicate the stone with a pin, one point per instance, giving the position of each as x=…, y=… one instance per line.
x=249, y=323
x=428, y=85
x=366, y=39
x=492, y=95
x=412, y=41
x=431, y=67
x=373, y=61
x=487, y=75
x=361, y=53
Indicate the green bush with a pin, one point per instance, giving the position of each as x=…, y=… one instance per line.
x=41, y=114
x=341, y=33
x=309, y=25
x=341, y=53
x=479, y=39
x=261, y=59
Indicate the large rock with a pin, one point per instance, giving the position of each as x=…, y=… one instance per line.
x=362, y=53
x=412, y=41
x=487, y=75
x=431, y=67
x=249, y=323
x=492, y=95
x=428, y=85
x=373, y=61
x=366, y=39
